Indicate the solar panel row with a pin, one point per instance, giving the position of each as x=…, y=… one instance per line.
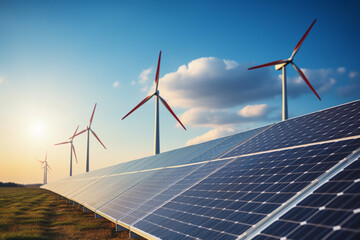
x=231, y=200
x=109, y=182
x=227, y=188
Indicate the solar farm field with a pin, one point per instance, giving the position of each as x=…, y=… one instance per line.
x=34, y=213
x=237, y=187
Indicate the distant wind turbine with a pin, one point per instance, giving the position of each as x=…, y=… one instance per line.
x=281, y=64
x=46, y=167
x=157, y=94
x=88, y=129
x=72, y=149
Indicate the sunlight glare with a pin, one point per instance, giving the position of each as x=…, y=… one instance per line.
x=37, y=129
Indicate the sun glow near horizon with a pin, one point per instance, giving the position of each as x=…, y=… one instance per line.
x=37, y=128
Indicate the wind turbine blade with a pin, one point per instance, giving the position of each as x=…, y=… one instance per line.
x=302, y=75
x=268, y=64
x=61, y=143
x=92, y=115
x=73, y=149
x=171, y=111
x=157, y=72
x=297, y=47
x=42, y=162
x=141, y=103
x=46, y=157
x=80, y=133
x=75, y=132
x=97, y=138
x=49, y=167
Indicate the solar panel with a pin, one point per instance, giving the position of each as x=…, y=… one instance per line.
x=331, y=212
x=108, y=188
x=226, y=145
x=278, y=181
x=163, y=179
x=233, y=199
x=334, y=123
x=144, y=191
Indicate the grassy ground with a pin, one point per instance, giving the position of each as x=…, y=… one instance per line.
x=34, y=213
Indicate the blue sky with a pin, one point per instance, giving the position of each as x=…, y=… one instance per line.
x=59, y=58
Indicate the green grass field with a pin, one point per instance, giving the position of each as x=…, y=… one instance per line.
x=34, y=213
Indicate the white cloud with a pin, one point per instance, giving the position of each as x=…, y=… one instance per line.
x=352, y=74
x=341, y=70
x=215, y=83
x=210, y=82
x=251, y=111
x=210, y=135
x=327, y=85
x=202, y=117
x=230, y=64
x=144, y=75
x=350, y=87
x=116, y=84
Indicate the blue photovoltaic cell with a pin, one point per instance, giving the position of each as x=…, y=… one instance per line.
x=228, y=202
x=334, y=123
x=331, y=212
x=171, y=191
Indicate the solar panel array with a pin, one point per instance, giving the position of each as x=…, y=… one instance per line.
x=288, y=179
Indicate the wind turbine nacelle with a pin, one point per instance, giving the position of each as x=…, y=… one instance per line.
x=280, y=66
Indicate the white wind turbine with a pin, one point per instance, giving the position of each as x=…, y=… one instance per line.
x=72, y=149
x=88, y=130
x=281, y=64
x=46, y=167
x=157, y=94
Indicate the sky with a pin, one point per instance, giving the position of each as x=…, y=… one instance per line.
x=59, y=58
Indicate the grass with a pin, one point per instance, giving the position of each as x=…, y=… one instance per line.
x=34, y=213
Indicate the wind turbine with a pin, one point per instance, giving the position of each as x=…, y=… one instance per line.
x=88, y=129
x=157, y=94
x=46, y=167
x=281, y=64
x=72, y=149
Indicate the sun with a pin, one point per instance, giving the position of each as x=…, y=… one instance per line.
x=37, y=129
